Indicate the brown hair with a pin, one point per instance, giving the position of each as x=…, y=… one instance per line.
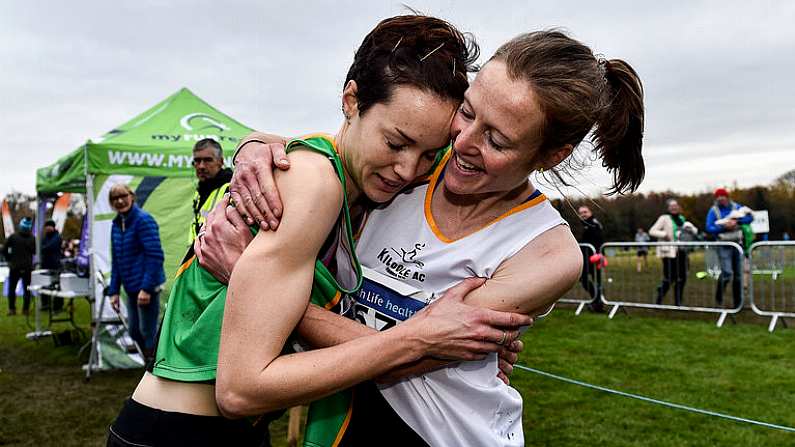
x=578, y=93
x=416, y=50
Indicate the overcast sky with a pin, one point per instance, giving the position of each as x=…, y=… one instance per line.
x=718, y=76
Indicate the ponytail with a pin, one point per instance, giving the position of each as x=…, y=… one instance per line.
x=582, y=95
x=618, y=137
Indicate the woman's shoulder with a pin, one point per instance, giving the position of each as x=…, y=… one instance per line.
x=662, y=219
x=143, y=217
x=311, y=175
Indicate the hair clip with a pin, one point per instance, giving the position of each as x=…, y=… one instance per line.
x=398, y=43
x=432, y=51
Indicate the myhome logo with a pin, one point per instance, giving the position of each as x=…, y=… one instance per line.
x=199, y=122
x=191, y=120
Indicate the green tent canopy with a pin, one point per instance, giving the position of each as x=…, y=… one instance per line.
x=157, y=142
x=151, y=153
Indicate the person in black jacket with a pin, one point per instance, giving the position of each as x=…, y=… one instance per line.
x=591, y=278
x=51, y=259
x=18, y=252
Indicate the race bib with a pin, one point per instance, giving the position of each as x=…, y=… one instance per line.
x=383, y=302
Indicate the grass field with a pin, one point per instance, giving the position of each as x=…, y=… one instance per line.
x=738, y=369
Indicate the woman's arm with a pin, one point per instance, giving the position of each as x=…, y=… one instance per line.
x=114, y=287
x=657, y=230
x=226, y=236
x=269, y=293
x=530, y=281
x=322, y=328
x=149, y=235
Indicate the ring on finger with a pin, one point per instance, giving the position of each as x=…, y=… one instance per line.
x=504, y=337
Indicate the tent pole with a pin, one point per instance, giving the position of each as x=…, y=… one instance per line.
x=92, y=282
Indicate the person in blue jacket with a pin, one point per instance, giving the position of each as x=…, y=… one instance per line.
x=51, y=260
x=137, y=265
x=724, y=221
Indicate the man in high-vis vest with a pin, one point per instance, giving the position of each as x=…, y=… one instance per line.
x=208, y=161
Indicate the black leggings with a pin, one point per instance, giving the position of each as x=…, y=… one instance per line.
x=674, y=273
x=14, y=275
x=138, y=425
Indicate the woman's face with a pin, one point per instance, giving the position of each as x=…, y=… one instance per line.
x=393, y=143
x=121, y=200
x=496, y=134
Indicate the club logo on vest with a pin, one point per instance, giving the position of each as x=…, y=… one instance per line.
x=404, y=265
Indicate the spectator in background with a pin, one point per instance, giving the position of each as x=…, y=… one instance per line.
x=208, y=162
x=641, y=237
x=70, y=248
x=18, y=252
x=673, y=227
x=591, y=278
x=137, y=265
x=51, y=260
x=724, y=222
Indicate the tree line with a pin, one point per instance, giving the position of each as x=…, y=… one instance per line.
x=621, y=216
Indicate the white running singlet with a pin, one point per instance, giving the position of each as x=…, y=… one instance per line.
x=465, y=405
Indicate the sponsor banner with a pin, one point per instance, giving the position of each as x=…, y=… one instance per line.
x=379, y=306
x=8, y=222
x=107, y=159
x=761, y=222
x=59, y=211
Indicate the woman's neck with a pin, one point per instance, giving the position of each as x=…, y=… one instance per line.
x=352, y=190
x=458, y=215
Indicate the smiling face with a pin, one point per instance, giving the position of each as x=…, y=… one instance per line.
x=393, y=143
x=497, y=133
x=121, y=198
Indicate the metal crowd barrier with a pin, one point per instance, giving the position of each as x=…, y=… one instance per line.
x=772, y=280
x=578, y=294
x=697, y=268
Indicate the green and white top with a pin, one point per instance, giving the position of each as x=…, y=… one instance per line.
x=190, y=334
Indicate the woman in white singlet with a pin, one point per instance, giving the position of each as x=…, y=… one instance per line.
x=531, y=105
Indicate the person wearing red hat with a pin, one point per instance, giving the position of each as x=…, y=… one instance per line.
x=724, y=221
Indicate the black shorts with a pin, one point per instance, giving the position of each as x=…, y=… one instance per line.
x=643, y=253
x=139, y=425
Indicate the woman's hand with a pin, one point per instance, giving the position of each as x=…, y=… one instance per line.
x=222, y=240
x=114, y=302
x=451, y=330
x=144, y=298
x=507, y=357
x=252, y=187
